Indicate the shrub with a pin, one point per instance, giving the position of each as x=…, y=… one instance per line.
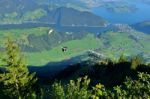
x=73, y=90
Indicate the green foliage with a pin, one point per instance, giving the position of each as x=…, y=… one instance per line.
x=136, y=61
x=58, y=91
x=131, y=89
x=73, y=90
x=32, y=15
x=16, y=80
x=99, y=91
x=134, y=89
x=113, y=75
x=122, y=58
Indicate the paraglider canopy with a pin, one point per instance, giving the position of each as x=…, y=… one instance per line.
x=64, y=49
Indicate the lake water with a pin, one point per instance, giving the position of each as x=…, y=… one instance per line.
x=142, y=14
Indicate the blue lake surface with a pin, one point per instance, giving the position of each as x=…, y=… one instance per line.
x=141, y=14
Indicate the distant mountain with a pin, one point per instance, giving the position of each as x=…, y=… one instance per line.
x=64, y=16
x=21, y=11
x=18, y=6
x=18, y=11
x=31, y=11
x=142, y=26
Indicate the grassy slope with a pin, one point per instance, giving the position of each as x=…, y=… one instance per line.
x=121, y=43
x=12, y=17
x=19, y=32
x=22, y=33
x=75, y=47
x=118, y=43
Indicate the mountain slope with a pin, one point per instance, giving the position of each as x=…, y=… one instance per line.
x=70, y=17
x=24, y=12
x=41, y=45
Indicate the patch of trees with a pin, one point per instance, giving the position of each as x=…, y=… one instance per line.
x=47, y=42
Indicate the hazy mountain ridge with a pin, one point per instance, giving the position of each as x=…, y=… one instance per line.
x=64, y=16
x=25, y=11
x=16, y=12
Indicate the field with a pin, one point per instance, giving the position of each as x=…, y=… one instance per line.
x=75, y=47
x=19, y=32
x=111, y=44
x=130, y=44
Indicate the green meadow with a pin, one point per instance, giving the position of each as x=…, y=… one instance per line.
x=111, y=44
x=75, y=47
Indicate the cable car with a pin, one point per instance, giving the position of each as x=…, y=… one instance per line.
x=64, y=49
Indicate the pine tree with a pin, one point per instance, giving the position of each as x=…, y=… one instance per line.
x=122, y=58
x=17, y=81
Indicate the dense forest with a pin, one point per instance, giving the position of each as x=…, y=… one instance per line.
x=106, y=79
